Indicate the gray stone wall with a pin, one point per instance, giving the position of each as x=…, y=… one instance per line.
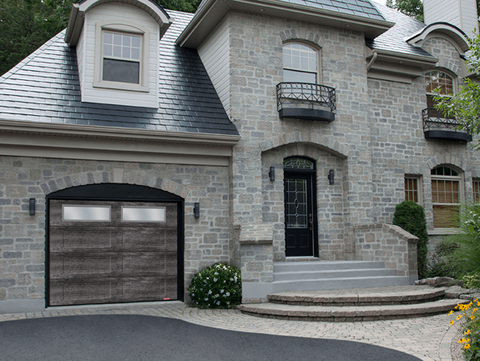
x=344, y=145
x=22, y=237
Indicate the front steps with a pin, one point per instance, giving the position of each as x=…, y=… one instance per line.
x=349, y=305
x=323, y=275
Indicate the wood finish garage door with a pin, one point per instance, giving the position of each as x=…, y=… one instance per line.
x=108, y=252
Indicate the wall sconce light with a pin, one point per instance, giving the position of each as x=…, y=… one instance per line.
x=271, y=174
x=331, y=177
x=196, y=210
x=31, y=206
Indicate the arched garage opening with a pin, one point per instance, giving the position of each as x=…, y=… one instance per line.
x=113, y=243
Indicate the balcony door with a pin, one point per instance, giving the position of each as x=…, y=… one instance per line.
x=300, y=208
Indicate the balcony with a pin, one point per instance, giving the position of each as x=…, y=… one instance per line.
x=436, y=126
x=306, y=101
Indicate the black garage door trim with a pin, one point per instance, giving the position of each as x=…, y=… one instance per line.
x=119, y=192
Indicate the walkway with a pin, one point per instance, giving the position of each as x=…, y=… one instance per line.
x=428, y=338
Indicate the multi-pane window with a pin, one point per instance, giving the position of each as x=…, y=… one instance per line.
x=412, y=189
x=476, y=190
x=446, y=196
x=121, y=57
x=438, y=84
x=300, y=64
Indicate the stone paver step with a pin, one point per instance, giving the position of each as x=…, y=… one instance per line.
x=360, y=297
x=349, y=313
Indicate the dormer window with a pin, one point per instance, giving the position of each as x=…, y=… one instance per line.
x=121, y=57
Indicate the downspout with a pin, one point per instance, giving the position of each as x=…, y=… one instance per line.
x=375, y=55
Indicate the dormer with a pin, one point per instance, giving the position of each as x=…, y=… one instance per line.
x=117, y=50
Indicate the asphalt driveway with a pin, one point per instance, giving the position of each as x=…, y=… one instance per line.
x=145, y=338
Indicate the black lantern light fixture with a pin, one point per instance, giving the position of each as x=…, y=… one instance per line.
x=31, y=206
x=331, y=177
x=196, y=210
x=271, y=174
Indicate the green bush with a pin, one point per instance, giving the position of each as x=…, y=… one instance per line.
x=442, y=263
x=216, y=286
x=466, y=243
x=411, y=217
x=471, y=280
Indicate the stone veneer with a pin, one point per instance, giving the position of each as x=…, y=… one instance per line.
x=22, y=237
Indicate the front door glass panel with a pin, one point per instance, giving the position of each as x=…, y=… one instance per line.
x=296, y=199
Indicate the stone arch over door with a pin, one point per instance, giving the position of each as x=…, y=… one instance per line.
x=332, y=207
x=118, y=257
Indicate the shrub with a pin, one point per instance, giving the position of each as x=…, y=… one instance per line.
x=441, y=263
x=466, y=255
x=471, y=280
x=411, y=217
x=216, y=286
x=471, y=329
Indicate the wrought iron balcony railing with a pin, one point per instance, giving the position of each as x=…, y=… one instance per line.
x=306, y=101
x=437, y=126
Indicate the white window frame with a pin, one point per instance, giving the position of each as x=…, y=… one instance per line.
x=124, y=28
x=461, y=189
x=454, y=84
x=417, y=179
x=300, y=70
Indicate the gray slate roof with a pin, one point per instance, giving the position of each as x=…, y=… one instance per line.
x=395, y=38
x=353, y=7
x=45, y=88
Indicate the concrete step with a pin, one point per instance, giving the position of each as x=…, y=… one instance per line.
x=344, y=273
x=338, y=283
x=349, y=313
x=360, y=297
x=308, y=266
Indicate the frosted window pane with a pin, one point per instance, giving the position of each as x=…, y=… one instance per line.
x=86, y=213
x=143, y=214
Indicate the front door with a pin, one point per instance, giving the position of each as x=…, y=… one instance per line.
x=300, y=212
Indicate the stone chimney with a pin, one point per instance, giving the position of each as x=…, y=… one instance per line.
x=461, y=13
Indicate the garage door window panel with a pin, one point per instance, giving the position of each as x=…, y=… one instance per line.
x=80, y=213
x=142, y=214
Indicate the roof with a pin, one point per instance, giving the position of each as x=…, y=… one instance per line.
x=45, y=87
x=395, y=38
x=352, y=7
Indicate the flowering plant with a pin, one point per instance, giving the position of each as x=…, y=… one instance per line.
x=217, y=286
x=471, y=329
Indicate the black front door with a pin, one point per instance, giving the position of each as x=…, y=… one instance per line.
x=300, y=219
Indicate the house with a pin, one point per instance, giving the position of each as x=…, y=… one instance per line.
x=142, y=144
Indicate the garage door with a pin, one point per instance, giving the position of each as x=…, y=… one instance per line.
x=111, y=251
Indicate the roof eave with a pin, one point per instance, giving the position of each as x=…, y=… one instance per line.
x=213, y=11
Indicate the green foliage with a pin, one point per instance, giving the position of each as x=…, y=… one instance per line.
x=466, y=254
x=441, y=263
x=27, y=24
x=411, y=217
x=412, y=8
x=465, y=104
x=217, y=286
x=471, y=280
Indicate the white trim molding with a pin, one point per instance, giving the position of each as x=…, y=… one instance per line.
x=71, y=141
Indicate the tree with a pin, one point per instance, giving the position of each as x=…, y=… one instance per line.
x=465, y=104
x=412, y=8
x=26, y=24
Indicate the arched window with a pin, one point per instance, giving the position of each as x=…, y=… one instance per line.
x=441, y=81
x=447, y=195
x=300, y=64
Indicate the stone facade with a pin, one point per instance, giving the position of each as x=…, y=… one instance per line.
x=22, y=237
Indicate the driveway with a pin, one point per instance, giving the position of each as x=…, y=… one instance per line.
x=145, y=338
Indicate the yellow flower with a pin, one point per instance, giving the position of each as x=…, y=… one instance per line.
x=474, y=310
x=450, y=313
x=459, y=317
x=467, y=332
x=462, y=340
x=451, y=322
x=466, y=346
x=472, y=317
